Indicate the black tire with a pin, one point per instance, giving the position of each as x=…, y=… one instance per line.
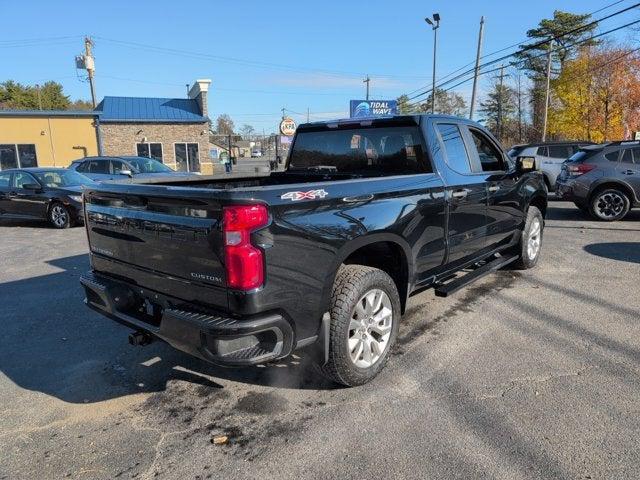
x=609, y=204
x=526, y=259
x=352, y=283
x=59, y=216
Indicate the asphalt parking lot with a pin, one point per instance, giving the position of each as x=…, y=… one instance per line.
x=529, y=374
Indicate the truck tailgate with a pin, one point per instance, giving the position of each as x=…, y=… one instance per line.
x=170, y=234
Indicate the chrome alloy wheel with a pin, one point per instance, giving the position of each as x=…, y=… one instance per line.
x=535, y=238
x=610, y=205
x=370, y=328
x=58, y=215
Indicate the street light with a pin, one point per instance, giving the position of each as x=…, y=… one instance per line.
x=435, y=24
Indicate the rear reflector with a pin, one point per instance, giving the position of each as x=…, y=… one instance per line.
x=244, y=262
x=578, y=169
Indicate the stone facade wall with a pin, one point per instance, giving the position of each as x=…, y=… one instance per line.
x=121, y=139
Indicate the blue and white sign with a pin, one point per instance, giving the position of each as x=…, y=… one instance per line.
x=372, y=108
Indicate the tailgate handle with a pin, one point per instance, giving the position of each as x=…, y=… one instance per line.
x=358, y=198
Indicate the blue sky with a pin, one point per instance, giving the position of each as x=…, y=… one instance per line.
x=263, y=55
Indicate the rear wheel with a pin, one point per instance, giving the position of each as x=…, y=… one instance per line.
x=59, y=216
x=528, y=248
x=609, y=204
x=365, y=311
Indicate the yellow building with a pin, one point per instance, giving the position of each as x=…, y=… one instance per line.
x=46, y=138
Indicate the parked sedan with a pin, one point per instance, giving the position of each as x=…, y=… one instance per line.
x=603, y=180
x=127, y=170
x=53, y=194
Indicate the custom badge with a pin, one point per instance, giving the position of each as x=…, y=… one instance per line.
x=310, y=195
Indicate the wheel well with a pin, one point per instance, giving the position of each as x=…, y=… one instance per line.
x=388, y=257
x=540, y=203
x=547, y=182
x=618, y=186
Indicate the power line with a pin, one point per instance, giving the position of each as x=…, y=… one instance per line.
x=529, y=47
x=520, y=61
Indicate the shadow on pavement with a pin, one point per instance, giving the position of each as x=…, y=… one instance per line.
x=569, y=213
x=621, y=251
x=52, y=343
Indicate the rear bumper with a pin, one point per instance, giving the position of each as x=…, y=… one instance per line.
x=217, y=338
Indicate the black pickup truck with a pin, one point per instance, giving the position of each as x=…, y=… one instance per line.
x=323, y=254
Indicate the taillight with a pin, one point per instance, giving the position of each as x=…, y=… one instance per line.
x=244, y=263
x=578, y=169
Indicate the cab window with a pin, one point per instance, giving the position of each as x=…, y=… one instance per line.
x=491, y=158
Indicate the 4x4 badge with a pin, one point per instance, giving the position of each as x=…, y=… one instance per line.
x=310, y=195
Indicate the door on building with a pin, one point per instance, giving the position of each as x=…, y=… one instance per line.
x=187, y=157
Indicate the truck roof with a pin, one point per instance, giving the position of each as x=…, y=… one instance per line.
x=385, y=119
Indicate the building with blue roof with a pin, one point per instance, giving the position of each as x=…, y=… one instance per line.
x=174, y=131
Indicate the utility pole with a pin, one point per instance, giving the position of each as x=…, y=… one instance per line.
x=283, y=109
x=308, y=110
x=90, y=66
x=39, y=97
x=500, y=96
x=367, y=80
x=546, y=96
x=435, y=24
x=519, y=108
x=477, y=69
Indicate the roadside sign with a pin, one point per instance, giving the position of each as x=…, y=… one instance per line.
x=372, y=108
x=287, y=126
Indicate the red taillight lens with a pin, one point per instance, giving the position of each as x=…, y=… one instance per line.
x=244, y=263
x=579, y=169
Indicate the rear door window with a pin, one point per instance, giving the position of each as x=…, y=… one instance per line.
x=20, y=179
x=559, y=151
x=627, y=156
x=612, y=156
x=4, y=180
x=543, y=151
x=455, y=151
x=98, y=166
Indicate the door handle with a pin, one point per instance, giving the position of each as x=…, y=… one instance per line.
x=13, y=194
x=358, y=198
x=629, y=172
x=460, y=194
x=494, y=188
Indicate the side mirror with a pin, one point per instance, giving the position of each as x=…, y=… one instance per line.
x=126, y=172
x=525, y=164
x=31, y=186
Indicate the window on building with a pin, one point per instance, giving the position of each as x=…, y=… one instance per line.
x=187, y=157
x=456, y=152
x=18, y=156
x=150, y=150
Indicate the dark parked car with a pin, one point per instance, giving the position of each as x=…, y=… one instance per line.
x=549, y=157
x=127, y=169
x=53, y=194
x=323, y=254
x=603, y=180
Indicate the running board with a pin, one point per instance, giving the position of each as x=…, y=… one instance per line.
x=446, y=289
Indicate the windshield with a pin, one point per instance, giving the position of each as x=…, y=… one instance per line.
x=148, y=165
x=63, y=178
x=361, y=151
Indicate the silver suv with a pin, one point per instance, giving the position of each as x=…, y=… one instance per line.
x=603, y=180
x=549, y=157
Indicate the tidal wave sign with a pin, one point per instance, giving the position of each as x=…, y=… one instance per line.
x=372, y=108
